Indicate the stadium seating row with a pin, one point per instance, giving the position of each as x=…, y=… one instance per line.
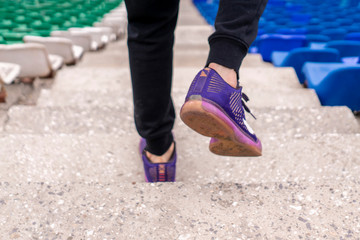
x=38, y=56
x=335, y=61
x=40, y=18
x=319, y=39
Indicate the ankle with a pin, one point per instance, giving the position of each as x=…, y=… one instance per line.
x=163, y=158
x=228, y=74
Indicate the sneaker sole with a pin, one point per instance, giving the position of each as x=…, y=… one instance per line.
x=208, y=120
x=229, y=148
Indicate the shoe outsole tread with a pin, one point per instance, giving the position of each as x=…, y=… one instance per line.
x=198, y=117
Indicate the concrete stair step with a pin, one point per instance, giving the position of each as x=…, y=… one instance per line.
x=258, y=98
x=70, y=168
x=183, y=57
x=189, y=19
x=18, y=93
x=194, y=35
x=180, y=211
x=285, y=120
x=115, y=158
x=118, y=79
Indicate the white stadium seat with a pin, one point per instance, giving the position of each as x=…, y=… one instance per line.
x=59, y=46
x=9, y=72
x=95, y=33
x=82, y=39
x=33, y=59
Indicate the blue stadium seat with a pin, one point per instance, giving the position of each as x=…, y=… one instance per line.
x=294, y=7
x=298, y=57
x=349, y=50
x=345, y=21
x=260, y=32
x=270, y=28
x=278, y=42
x=301, y=18
x=276, y=3
x=283, y=21
x=262, y=22
x=335, y=84
x=354, y=36
x=356, y=17
x=292, y=31
x=330, y=25
x=329, y=17
x=353, y=3
x=335, y=34
x=292, y=24
x=316, y=41
x=314, y=29
x=314, y=21
x=352, y=29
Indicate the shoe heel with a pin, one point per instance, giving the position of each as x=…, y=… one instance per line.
x=203, y=122
x=230, y=148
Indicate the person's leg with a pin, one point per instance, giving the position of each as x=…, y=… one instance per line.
x=151, y=25
x=214, y=105
x=236, y=27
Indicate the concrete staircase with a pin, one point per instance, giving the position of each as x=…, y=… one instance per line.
x=70, y=167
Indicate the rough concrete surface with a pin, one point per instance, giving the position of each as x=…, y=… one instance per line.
x=118, y=79
x=70, y=167
x=117, y=56
x=195, y=35
x=303, y=210
x=258, y=98
x=3, y=118
x=24, y=94
x=115, y=158
x=284, y=120
x=16, y=93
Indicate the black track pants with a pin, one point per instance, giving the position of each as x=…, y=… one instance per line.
x=150, y=42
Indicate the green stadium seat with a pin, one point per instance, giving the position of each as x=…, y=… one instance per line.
x=2, y=40
x=7, y=24
x=13, y=36
x=39, y=25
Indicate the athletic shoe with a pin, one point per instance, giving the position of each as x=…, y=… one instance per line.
x=215, y=109
x=158, y=172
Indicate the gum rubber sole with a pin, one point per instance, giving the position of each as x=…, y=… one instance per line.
x=207, y=120
x=230, y=148
x=203, y=122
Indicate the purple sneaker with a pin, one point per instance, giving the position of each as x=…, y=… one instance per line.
x=158, y=172
x=215, y=109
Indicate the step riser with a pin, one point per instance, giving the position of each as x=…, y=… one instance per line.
x=115, y=158
x=288, y=121
x=294, y=98
x=118, y=79
x=193, y=35
x=179, y=211
x=183, y=57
